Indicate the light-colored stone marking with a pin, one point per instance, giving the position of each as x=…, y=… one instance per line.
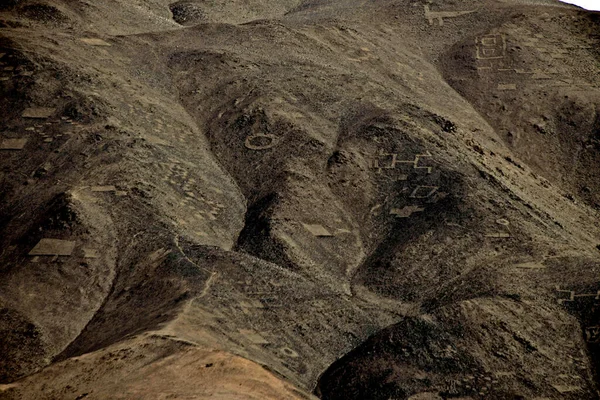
x=531, y=265
x=592, y=334
x=374, y=210
x=8, y=386
x=406, y=212
x=540, y=75
x=289, y=352
x=570, y=294
x=13, y=144
x=498, y=235
x=394, y=160
x=418, y=192
x=317, y=230
x=253, y=303
x=507, y=86
x=431, y=16
x=94, y=42
x=91, y=253
x=107, y=188
x=253, y=336
x=490, y=47
x=253, y=142
x=426, y=396
x=562, y=389
x=53, y=247
x=158, y=141
x=38, y=112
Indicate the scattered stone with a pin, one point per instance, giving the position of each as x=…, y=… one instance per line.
x=317, y=230
x=13, y=144
x=53, y=247
x=187, y=13
x=38, y=112
x=503, y=222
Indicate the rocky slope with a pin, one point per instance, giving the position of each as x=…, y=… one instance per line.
x=344, y=199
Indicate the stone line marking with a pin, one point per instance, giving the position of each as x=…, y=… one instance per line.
x=257, y=142
x=571, y=296
x=317, y=230
x=94, y=42
x=53, y=247
x=507, y=86
x=13, y=144
x=38, y=112
x=394, y=160
x=418, y=192
x=431, y=16
x=592, y=334
x=491, y=47
x=406, y=212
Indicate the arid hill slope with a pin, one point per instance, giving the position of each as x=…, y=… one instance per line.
x=344, y=199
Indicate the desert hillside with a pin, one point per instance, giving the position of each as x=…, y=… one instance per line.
x=301, y=199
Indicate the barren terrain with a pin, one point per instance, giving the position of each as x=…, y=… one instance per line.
x=335, y=199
